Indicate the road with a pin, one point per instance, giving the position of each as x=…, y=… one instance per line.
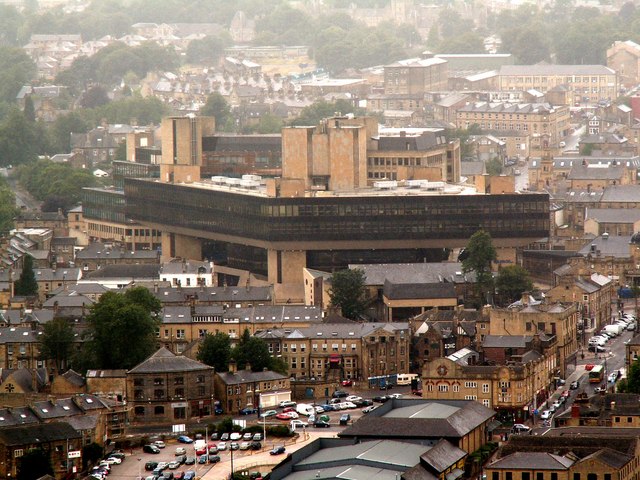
x=613, y=360
x=572, y=140
x=24, y=200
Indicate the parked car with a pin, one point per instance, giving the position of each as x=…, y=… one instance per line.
x=255, y=446
x=257, y=437
x=214, y=436
x=556, y=405
x=353, y=398
x=174, y=464
x=113, y=461
x=150, y=466
x=574, y=385
x=150, y=449
x=520, y=428
x=224, y=437
x=347, y=383
x=202, y=459
x=268, y=413
x=340, y=394
x=345, y=418
x=248, y=411
x=613, y=377
x=597, y=349
x=178, y=476
x=222, y=446
x=185, y=439
x=214, y=458
x=417, y=392
x=245, y=445
x=297, y=423
x=368, y=409
x=189, y=475
x=278, y=450
x=321, y=424
x=546, y=414
x=247, y=436
x=380, y=399
x=287, y=403
x=288, y=409
x=235, y=436
x=181, y=451
x=286, y=416
x=190, y=460
x=234, y=446
x=159, y=444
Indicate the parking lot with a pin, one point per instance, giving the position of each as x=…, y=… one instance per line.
x=133, y=467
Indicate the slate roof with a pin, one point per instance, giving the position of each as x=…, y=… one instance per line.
x=19, y=335
x=97, y=251
x=542, y=461
x=506, y=341
x=140, y=271
x=376, y=274
x=616, y=246
x=613, y=215
x=423, y=142
x=49, y=409
x=421, y=419
x=40, y=433
x=163, y=361
x=442, y=456
x=621, y=193
x=246, y=376
x=596, y=172
x=74, y=378
x=17, y=416
x=213, y=294
x=407, y=291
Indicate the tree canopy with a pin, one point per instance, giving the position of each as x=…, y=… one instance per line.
x=218, y=108
x=35, y=463
x=512, y=281
x=215, y=351
x=45, y=179
x=121, y=329
x=27, y=284
x=56, y=343
x=8, y=209
x=348, y=292
x=478, y=256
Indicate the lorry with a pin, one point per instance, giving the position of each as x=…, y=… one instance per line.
x=615, y=329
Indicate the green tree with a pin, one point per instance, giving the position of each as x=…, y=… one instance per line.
x=478, y=256
x=121, y=329
x=34, y=464
x=207, y=50
x=16, y=70
x=254, y=351
x=512, y=281
x=29, y=111
x=348, y=292
x=215, y=350
x=494, y=166
x=18, y=139
x=91, y=454
x=26, y=285
x=8, y=209
x=56, y=343
x=62, y=128
x=633, y=377
x=217, y=107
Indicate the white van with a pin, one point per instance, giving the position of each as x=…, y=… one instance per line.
x=305, y=409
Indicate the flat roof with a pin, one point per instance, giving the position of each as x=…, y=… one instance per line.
x=401, y=189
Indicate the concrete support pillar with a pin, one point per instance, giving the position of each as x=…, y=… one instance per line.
x=175, y=245
x=285, y=266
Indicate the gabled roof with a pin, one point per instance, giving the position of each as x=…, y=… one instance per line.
x=442, y=456
x=40, y=433
x=164, y=361
x=247, y=376
x=541, y=460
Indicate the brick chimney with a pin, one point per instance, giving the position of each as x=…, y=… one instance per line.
x=233, y=367
x=575, y=411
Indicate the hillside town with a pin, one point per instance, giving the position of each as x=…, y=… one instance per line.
x=302, y=238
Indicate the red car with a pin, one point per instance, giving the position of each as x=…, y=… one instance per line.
x=589, y=366
x=288, y=409
x=417, y=392
x=347, y=383
x=283, y=416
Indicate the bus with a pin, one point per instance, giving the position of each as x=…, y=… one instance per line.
x=596, y=374
x=405, y=378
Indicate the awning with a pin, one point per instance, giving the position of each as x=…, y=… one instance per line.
x=453, y=474
x=493, y=424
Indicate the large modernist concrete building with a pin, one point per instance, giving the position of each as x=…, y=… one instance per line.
x=322, y=213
